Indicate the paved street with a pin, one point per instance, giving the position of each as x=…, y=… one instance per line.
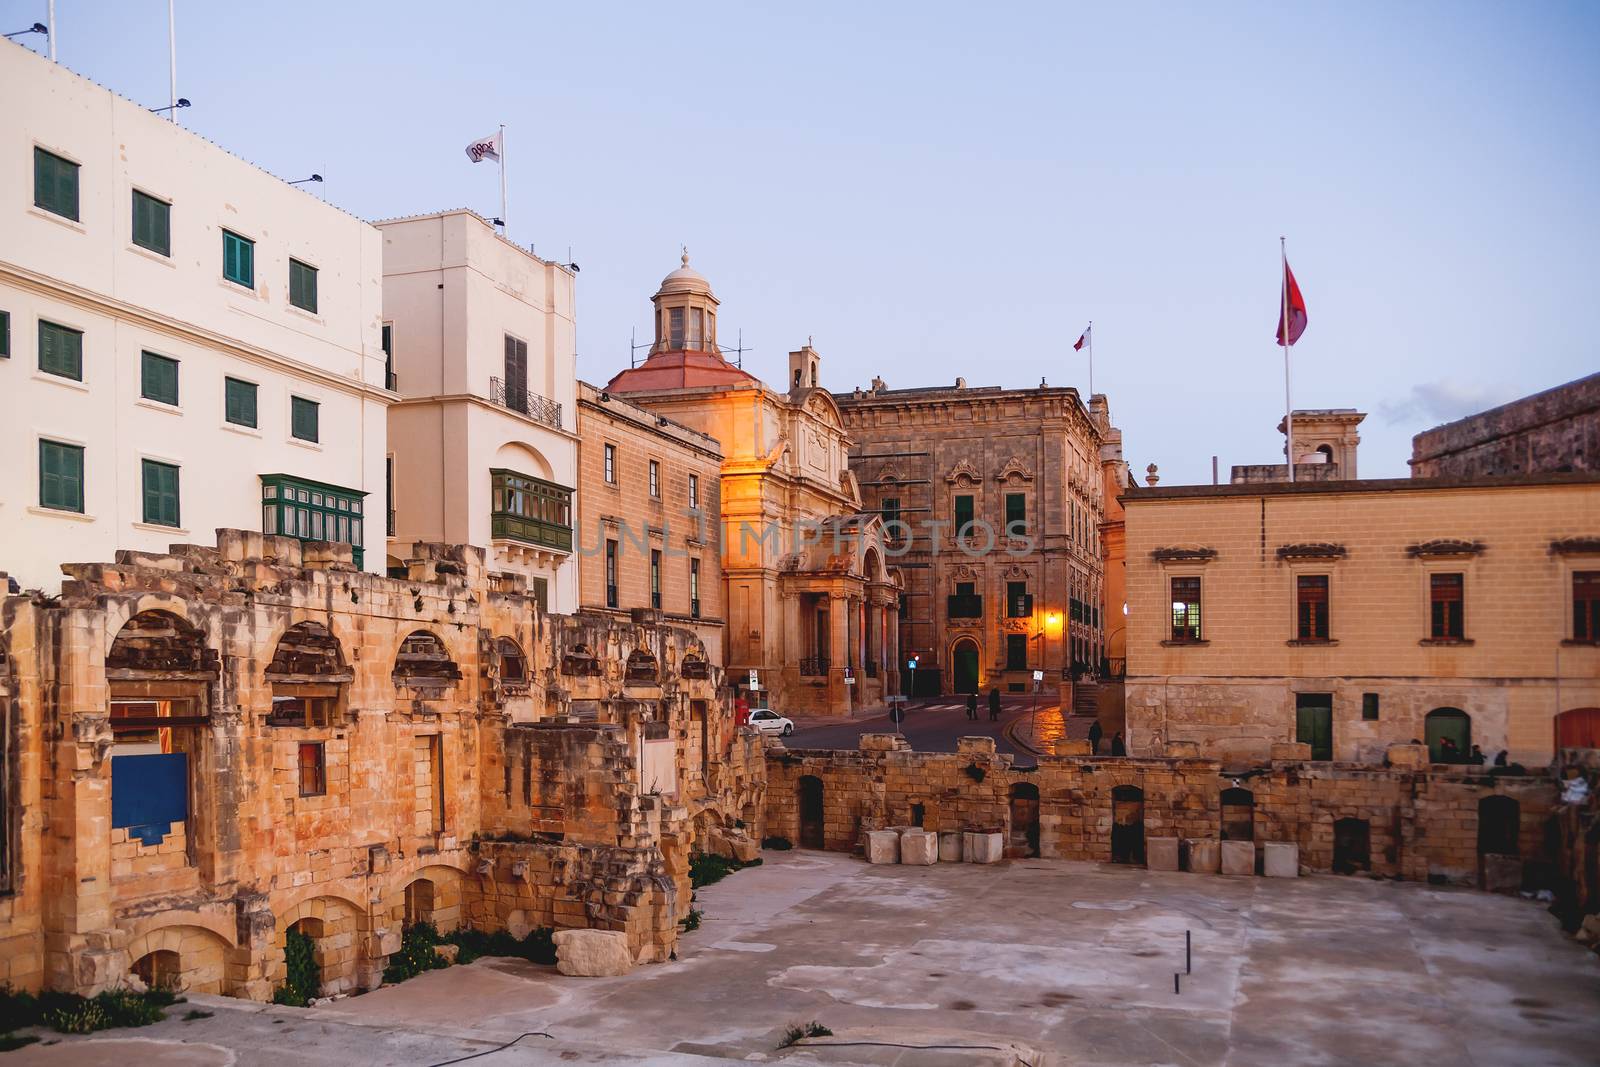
x=934, y=724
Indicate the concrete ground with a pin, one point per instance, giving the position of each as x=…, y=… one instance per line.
x=1032, y=962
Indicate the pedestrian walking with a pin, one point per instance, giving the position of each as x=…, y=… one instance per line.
x=972, y=706
x=1095, y=734
x=994, y=704
x=1118, y=746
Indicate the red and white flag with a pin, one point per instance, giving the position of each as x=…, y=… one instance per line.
x=1083, y=339
x=484, y=148
x=1292, y=309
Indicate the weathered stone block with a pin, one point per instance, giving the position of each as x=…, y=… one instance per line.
x=1182, y=749
x=1280, y=859
x=975, y=746
x=919, y=847
x=1161, y=853
x=882, y=742
x=1205, y=855
x=592, y=953
x=950, y=847
x=1407, y=755
x=983, y=847
x=1239, y=857
x=1069, y=747
x=1502, y=874
x=1290, y=751
x=883, y=846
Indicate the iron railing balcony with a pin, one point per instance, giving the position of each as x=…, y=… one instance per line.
x=512, y=527
x=536, y=407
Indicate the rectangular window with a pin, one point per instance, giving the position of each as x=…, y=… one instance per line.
x=238, y=259
x=313, y=769
x=1019, y=605
x=963, y=514
x=61, y=476
x=655, y=578
x=611, y=573
x=240, y=402
x=55, y=184
x=303, y=286
x=5, y=335
x=1016, y=652
x=386, y=339
x=312, y=511
x=1369, y=707
x=675, y=316
x=1016, y=510
x=61, y=350
x=160, y=493
x=516, y=374
x=1445, y=595
x=1586, y=606
x=1311, y=607
x=152, y=223
x=611, y=464
x=1186, y=609
x=541, y=593
x=158, y=378
x=303, y=418
x=655, y=479
x=694, y=588
x=694, y=492
x=1313, y=723
x=890, y=509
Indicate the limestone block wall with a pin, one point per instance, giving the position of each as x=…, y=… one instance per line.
x=1419, y=821
x=349, y=745
x=1556, y=430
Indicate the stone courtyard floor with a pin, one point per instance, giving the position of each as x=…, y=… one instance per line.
x=1035, y=962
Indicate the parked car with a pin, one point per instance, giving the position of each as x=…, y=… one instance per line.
x=770, y=722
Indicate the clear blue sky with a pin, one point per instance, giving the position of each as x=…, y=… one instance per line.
x=933, y=190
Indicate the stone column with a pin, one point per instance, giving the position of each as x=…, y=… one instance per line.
x=838, y=652
x=891, y=659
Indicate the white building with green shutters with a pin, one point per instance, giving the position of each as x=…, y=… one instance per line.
x=186, y=341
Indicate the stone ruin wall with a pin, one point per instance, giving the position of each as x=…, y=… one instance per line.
x=544, y=821
x=1422, y=822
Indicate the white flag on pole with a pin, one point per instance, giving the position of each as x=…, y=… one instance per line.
x=484, y=148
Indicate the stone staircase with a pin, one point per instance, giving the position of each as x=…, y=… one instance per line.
x=1086, y=698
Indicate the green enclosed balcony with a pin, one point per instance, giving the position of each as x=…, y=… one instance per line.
x=531, y=510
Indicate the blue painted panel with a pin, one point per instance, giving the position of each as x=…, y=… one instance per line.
x=149, y=794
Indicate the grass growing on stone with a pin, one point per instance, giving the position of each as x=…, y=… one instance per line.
x=304, y=977
x=69, y=1013
x=691, y=921
x=537, y=946
x=417, y=954
x=706, y=868
x=810, y=1029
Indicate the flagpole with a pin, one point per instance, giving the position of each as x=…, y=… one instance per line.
x=504, y=227
x=1288, y=407
x=1090, y=331
x=172, y=61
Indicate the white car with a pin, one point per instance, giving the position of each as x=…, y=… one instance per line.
x=770, y=722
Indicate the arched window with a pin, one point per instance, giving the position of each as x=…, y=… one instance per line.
x=1448, y=734
x=642, y=667
x=307, y=675
x=513, y=664
x=424, y=663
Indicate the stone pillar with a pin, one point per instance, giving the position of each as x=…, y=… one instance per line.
x=891, y=659
x=838, y=652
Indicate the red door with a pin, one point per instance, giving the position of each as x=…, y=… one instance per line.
x=1578, y=728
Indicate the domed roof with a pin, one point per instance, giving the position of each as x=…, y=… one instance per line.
x=685, y=280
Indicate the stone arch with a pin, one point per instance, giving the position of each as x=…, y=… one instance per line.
x=308, y=648
x=1448, y=733
x=524, y=459
x=430, y=894
x=159, y=641
x=966, y=664
x=423, y=661
x=119, y=613
x=513, y=662
x=180, y=956
x=1238, y=815
x=872, y=565
x=1578, y=728
x=338, y=928
x=642, y=667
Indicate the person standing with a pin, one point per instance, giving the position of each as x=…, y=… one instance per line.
x=1095, y=734
x=1118, y=746
x=994, y=704
x=972, y=706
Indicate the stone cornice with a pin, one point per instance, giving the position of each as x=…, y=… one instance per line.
x=1576, y=546
x=1183, y=555
x=123, y=311
x=1445, y=546
x=1312, y=550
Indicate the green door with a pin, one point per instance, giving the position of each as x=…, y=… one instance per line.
x=1313, y=723
x=965, y=668
x=1450, y=724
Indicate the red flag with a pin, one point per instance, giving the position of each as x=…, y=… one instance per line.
x=1083, y=339
x=1296, y=324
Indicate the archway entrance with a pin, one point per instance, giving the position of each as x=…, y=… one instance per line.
x=1127, y=824
x=1578, y=728
x=1499, y=826
x=811, y=821
x=1449, y=735
x=1352, y=846
x=964, y=667
x=1025, y=818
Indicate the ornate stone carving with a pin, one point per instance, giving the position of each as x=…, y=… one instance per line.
x=1180, y=554
x=1312, y=550
x=963, y=471
x=1015, y=470
x=1445, y=546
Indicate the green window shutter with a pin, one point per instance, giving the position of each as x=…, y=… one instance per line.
x=60, y=350
x=55, y=184
x=160, y=493
x=158, y=378
x=240, y=402
x=5, y=334
x=963, y=513
x=1016, y=508
x=303, y=418
x=302, y=285
x=152, y=223
x=238, y=259
x=61, y=476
